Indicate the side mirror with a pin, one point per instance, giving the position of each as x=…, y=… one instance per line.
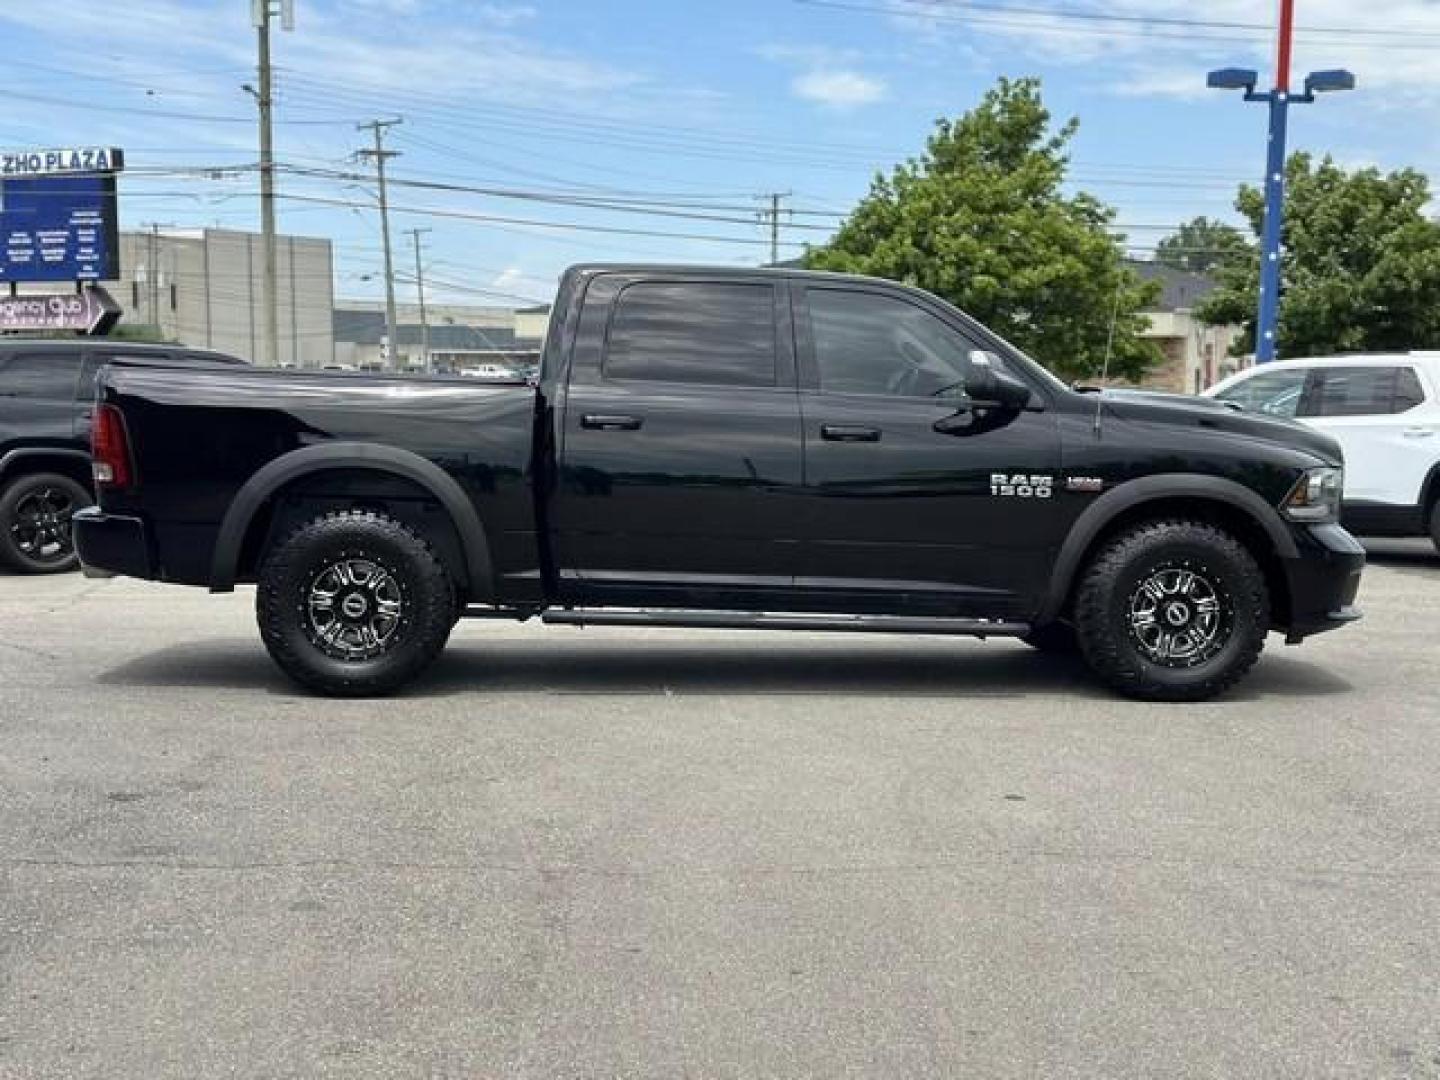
x=986, y=385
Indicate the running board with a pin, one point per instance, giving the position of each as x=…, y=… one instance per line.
x=764, y=620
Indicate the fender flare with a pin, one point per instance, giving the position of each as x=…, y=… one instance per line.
x=1145, y=489
x=11, y=456
x=376, y=458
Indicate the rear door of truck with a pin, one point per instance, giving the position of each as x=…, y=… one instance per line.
x=680, y=466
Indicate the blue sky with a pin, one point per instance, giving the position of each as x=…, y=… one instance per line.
x=693, y=108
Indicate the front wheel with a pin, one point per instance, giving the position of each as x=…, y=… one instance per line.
x=354, y=604
x=1172, y=611
x=35, y=513
x=1435, y=525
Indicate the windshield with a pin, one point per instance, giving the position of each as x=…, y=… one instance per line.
x=1275, y=393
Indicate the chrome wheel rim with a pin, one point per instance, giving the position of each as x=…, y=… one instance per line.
x=354, y=608
x=1179, y=615
x=41, y=526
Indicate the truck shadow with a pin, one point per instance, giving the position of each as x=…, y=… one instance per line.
x=1416, y=553
x=639, y=667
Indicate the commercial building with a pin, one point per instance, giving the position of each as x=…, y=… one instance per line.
x=205, y=287
x=1197, y=355
x=462, y=337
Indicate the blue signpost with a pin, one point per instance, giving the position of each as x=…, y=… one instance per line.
x=58, y=220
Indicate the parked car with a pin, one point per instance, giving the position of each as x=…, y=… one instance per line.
x=766, y=449
x=47, y=394
x=1384, y=410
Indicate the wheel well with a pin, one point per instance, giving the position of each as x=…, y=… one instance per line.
x=75, y=467
x=313, y=494
x=1430, y=493
x=1222, y=515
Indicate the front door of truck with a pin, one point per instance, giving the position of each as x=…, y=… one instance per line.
x=680, y=469
x=919, y=499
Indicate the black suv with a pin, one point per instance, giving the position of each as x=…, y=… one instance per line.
x=47, y=393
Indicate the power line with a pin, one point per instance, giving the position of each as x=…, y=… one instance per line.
x=1033, y=19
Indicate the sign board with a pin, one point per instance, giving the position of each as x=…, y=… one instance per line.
x=78, y=161
x=89, y=311
x=58, y=215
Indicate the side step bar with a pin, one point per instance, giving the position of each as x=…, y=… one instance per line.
x=764, y=620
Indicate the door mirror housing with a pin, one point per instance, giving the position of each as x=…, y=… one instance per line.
x=987, y=385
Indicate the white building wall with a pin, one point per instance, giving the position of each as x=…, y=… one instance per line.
x=205, y=288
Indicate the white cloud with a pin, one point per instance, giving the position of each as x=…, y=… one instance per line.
x=838, y=88
x=1157, y=59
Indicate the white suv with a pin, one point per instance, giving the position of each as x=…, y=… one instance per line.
x=1384, y=410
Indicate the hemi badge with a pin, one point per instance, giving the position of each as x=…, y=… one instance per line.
x=1084, y=483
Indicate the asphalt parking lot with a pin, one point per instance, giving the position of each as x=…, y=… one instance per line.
x=606, y=853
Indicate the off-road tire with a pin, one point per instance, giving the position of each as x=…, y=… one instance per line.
x=1056, y=638
x=1113, y=584
x=290, y=579
x=19, y=494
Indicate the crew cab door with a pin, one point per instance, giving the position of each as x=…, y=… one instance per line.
x=920, y=501
x=679, y=477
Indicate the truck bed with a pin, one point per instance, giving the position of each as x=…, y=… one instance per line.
x=198, y=435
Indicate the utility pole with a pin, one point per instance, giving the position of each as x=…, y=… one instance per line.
x=1279, y=99
x=380, y=156
x=261, y=12
x=772, y=215
x=415, y=234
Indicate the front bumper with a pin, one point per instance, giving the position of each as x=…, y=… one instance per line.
x=110, y=544
x=1323, y=581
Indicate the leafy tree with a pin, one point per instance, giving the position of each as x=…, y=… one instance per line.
x=979, y=218
x=1360, y=264
x=1201, y=245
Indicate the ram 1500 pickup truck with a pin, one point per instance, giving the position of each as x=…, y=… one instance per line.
x=772, y=449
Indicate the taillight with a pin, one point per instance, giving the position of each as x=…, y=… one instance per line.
x=110, y=449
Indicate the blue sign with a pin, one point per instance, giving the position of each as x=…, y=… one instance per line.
x=58, y=228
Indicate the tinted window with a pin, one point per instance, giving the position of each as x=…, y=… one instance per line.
x=1358, y=391
x=1274, y=392
x=693, y=332
x=871, y=344
x=1408, y=393
x=40, y=375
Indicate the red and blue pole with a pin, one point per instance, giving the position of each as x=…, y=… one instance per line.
x=1267, y=322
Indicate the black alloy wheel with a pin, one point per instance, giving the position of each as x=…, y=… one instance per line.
x=354, y=604
x=35, y=516
x=1172, y=611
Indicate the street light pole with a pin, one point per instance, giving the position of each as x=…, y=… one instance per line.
x=261, y=14
x=1279, y=99
x=381, y=155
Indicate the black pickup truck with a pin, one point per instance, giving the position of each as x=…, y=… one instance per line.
x=722, y=448
x=47, y=393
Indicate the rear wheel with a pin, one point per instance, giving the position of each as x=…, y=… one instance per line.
x=35, y=513
x=1172, y=611
x=1435, y=524
x=354, y=604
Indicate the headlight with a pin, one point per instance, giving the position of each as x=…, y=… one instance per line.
x=1316, y=497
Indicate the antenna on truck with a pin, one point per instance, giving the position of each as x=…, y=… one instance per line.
x=1109, y=348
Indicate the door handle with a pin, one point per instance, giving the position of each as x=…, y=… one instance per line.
x=849, y=433
x=1418, y=432
x=598, y=422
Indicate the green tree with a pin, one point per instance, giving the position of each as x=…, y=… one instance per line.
x=1360, y=265
x=1201, y=245
x=980, y=219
